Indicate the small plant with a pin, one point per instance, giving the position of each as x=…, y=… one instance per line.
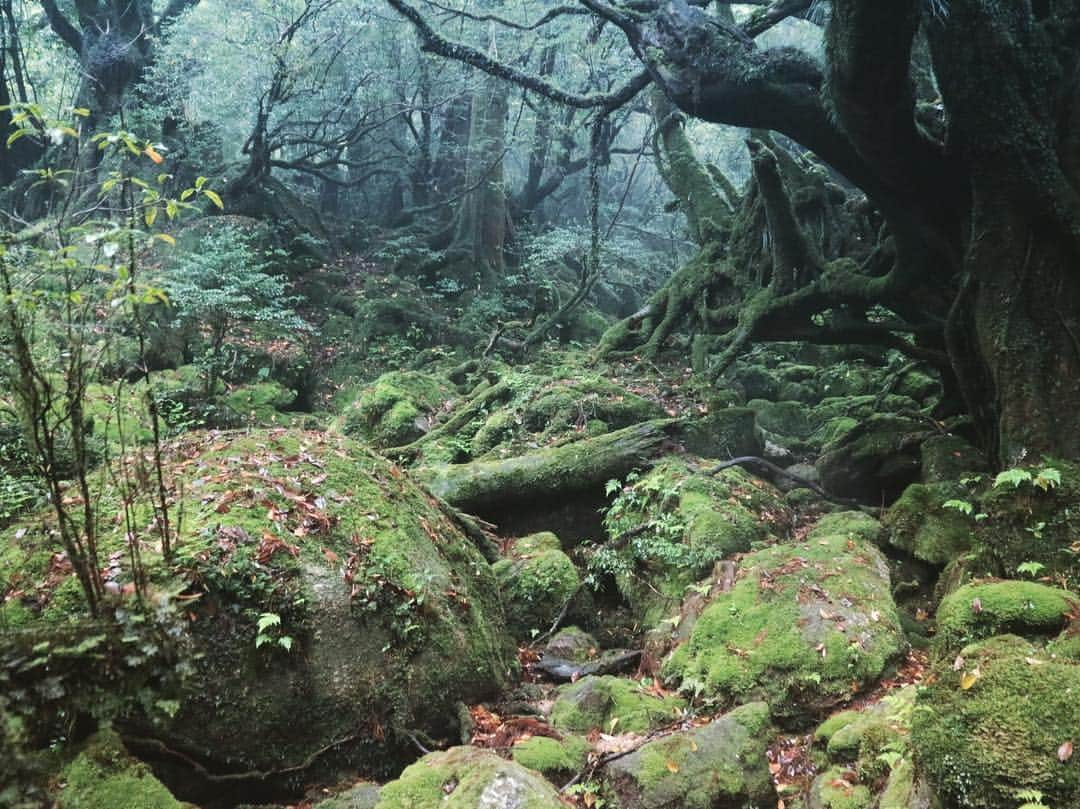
x=1045, y=479
x=270, y=631
x=587, y=794
x=1031, y=799
x=1032, y=569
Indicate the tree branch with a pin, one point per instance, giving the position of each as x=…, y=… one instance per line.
x=62, y=26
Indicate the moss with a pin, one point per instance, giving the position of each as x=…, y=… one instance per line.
x=853, y=525
x=785, y=419
x=879, y=727
x=535, y=587
x=572, y=643
x=103, y=774
x=805, y=625
x=553, y=758
x=919, y=524
x=727, y=432
x=977, y=611
x=874, y=461
x=361, y=796
x=537, y=543
x=834, y=789
x=467, y=778
x=260, y=404
x=839, y=720
x=719, y=764
x=392, y=410
x=900, y=787
x=980, y=745
x=948, y=458
x=611, y=704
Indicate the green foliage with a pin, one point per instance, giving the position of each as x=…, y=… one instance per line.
x=269, y=631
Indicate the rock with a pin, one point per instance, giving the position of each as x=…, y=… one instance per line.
x=755, y=381
x=781, y=456
x=393, y=614
x=721, y=765
x=918, y=386
x=881, y=726
x=805, y=626
x=468, y=778
x=729, y=432
x=977, y=611
x=919, y=524
x=395, y=409
x=612, y=661
x=948, y=458
x=611, y=704
x=784, y=419
x=806, y=471
x=555, y=759
x=104, y=774
x=361, y=796
x=875, y=461
x=536, y=585
x=838, y=788
x=978, y=745
x=667, y=529
x=572, y=644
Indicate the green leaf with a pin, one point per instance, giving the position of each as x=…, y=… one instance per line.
x=14, y=136
x=199, y=183
x=150, y=216
x=1030, y=568
x=165, y=237
x=82, y=112
x=611, y=487
x=285, y=642
x=214, y=198
x=963, y=506
x=261, y=640
x=1048, y=479
x=267, y=620
x=1013, y=476
x=187, y=194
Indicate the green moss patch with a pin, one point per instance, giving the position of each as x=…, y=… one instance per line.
x=805, y=626
x=554, y=758
x=612, y=705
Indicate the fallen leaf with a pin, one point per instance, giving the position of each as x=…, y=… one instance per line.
x=672, y=767
x=1065, y=752
x=976, y=605
x=969, y=678
x=958, y=664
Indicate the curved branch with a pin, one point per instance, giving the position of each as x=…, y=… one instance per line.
x=433, y=42
x=62, y=26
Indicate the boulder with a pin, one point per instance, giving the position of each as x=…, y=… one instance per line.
x=998, y=723
x=805, y=626
x=536, y=583
x=920, y=524
x=468, y=778
x=728, y=432
x=948, y=458
x=977, y=611
x=395, y=409
x=720, y=765
x=556, y=759
x=611, y=704
x=875, y=461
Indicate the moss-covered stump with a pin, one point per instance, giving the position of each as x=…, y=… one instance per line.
x=805, y=627
x=611, y=704
x=557, y=760
x=981, y=744
x=920, y=524
x=875, y=461
x=537, y=583
x=667, y=529
x=104, y=774
x=468, y=778
x=721, y=765
x=396, y=408
x=980, y=610
x=728, y=432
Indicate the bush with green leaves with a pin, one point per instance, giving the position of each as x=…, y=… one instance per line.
x=227, y=283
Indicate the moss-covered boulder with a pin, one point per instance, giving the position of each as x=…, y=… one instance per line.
x=875, y=461
x=728, y=432
x=395, y=409
x=920, y=524
x=948, y=458
x=611, y=704
x=536, y=583
x=805, y=626
x=838, y=788
x=573, y=644
x=980, y=610
x=720, y=765
x=556, y=759
x=668, y=528
x=331, y=604
x=361, y=796
x=468, y=778
x=995, y=725
x=104, y=774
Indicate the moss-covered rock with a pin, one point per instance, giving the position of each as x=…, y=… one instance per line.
x=555, y=759
x=573, y=644
x=728, y=432
x=838, y=788
x=948, y=458
x=104, y=774
x=874, y=461
x=260, y=404
x=668, y=528
x=468, y=778
x=395, y=409
x=721, y=765
x=920, y=524
x=611, y=704
x=805, y=626
x=536, y=584
x=361, y=796
x=980, y=610
x=980, y=745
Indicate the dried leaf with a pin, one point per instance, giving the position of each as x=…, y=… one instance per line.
x=976, y=605
x=969, y=678
x=1065, y=752
x=672, y=767
x=958, y=664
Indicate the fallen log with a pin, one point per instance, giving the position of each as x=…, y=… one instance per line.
x=550, y=475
